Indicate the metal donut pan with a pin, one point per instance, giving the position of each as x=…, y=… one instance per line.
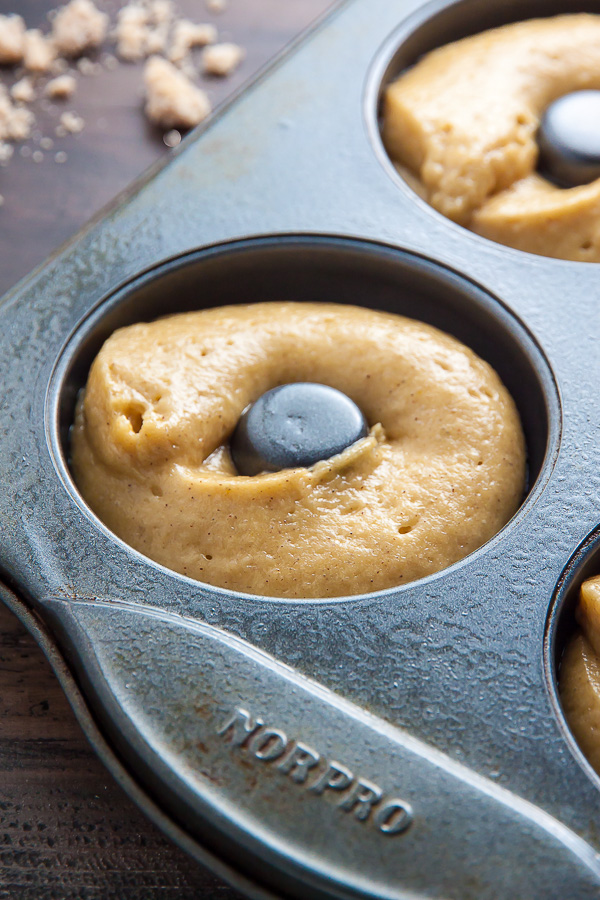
x=407, y=743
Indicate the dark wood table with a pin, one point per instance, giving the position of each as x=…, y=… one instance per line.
x=67, y=830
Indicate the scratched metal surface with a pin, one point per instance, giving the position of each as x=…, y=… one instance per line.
x=436, y=694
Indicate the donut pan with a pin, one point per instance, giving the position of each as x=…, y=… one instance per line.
x=403, y=744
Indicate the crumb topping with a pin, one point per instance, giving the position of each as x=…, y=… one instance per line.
x=222, y=59
x=71, y=123
x=172, y=100
x=39, y=51
x=61, y=88
x=143, y=31
x=78, y=26
x=187, y=35
x=15, y=122
x=23, y=91
x=12, y=38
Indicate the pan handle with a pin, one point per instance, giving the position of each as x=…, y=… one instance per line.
x=300, y=791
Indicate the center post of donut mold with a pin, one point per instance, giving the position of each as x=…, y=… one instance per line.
x=295, y=425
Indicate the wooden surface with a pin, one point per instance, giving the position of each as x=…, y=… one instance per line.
x=67, y=831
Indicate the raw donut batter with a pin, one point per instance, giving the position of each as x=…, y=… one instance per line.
x=464, y=122
x=580, y=674
x=441, y=471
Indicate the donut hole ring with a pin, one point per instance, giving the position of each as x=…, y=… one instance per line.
x=478, y=167
x=308, y=269
x=441, y=472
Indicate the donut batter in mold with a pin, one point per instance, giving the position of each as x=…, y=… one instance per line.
x=441, y=470
x=580, y=674
x=462, y=123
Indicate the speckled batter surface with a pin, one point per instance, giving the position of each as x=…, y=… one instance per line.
x=464, y=122
x=441, y=471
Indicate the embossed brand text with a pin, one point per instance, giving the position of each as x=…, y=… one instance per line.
x=356, y=796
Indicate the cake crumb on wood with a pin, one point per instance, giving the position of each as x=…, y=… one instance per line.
x=71, y=123
x=143, y=29
x=12, y=38
x=172, y=100
x=187, y=35
x=131, y=32
x=15, y=122
x=161, y=11
x=222, y=59
x=61, y=88
x=23, y=91
x=156, y=40
x=39, y=51
x=78, y=26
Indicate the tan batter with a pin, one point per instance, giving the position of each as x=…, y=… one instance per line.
x=441, y=471
x=580, y=674
x=464, y=121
